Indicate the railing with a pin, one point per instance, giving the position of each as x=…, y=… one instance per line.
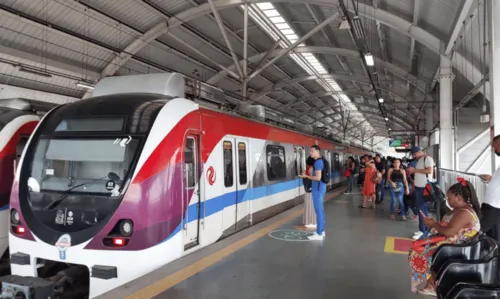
x=447, y=178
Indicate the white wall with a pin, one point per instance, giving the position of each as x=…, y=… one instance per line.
x=468, y=127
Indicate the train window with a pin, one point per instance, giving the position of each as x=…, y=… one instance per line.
x=228, y=164
x=296, y=153
x=21, y=145
x=190, y=162
x=276, y=165
x=299, y=155
x=242, y=160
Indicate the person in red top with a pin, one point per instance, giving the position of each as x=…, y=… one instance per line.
x=369, y=186
x=309, y=214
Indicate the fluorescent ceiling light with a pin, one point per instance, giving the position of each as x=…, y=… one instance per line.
x=282, y=26
x=84, y=85
x=271, y=13
x=265, y=6
x=381, y=100
x=287, y=31
x=276, y=20
x=369, y=59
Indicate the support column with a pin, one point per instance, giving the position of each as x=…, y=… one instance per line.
x=429, y=118
x=446, y=137
x=429, y=123
x=494, y=67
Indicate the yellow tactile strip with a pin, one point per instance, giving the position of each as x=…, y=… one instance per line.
x=181, y=275
x=171, y=280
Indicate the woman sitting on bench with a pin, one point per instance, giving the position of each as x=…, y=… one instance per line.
x=458, y=227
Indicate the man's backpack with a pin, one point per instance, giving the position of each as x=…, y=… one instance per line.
x=325, y=173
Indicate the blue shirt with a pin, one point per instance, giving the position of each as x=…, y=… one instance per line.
x=318, y=186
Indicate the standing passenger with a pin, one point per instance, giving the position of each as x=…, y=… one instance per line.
x=490, y=223
x=369, y=186
x=309, y=214
x=351, y=168
x=380, y=166
x=318, y=190
x=423, y=168
x=398, y=187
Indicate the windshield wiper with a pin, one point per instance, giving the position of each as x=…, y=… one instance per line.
x=68, y=191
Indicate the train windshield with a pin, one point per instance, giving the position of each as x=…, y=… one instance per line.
x=84, y=166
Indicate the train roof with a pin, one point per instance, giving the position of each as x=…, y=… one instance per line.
x=174, y=85
x=26, y=105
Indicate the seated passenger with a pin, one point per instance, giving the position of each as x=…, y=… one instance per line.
x=460, y=226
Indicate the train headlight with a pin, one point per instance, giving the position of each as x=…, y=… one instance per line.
x=14, y=217
x=126, y=228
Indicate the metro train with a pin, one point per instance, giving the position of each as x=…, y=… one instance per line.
x=18, y=119
x=113, y=187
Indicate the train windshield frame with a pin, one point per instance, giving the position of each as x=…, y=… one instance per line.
x=87, y=165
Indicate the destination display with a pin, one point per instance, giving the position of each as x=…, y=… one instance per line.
x=400, y=143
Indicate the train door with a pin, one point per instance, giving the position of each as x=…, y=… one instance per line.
x=192, y=173
x=300, y=167
x=242, y=214
x=336, y=164
x=328, y=157
x=230, y=189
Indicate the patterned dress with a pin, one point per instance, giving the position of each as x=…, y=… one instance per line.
x=420, y=263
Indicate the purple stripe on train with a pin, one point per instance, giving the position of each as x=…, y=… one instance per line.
x=155, y=206
x=14, y=204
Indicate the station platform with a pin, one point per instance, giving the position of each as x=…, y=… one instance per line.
x=364, y=255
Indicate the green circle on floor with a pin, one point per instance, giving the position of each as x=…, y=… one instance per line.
x=290, y=235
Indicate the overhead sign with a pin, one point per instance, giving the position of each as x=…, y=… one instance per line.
x=399, y=143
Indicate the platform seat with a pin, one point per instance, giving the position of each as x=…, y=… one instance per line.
x=476, y=291
x=481, y=248
x=469, y=272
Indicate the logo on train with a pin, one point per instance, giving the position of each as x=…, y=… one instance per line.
x=62, y=244
x=211, y=175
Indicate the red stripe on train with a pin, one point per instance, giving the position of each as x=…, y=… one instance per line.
x=216, y=125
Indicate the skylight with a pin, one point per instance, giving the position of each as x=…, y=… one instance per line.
x=266, y=15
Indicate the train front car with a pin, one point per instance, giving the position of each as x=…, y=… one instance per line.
x=86, y=200
x=17, y=122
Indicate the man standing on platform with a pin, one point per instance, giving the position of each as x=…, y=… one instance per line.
x=318, y=190
x=423, y=172
x=490, y=209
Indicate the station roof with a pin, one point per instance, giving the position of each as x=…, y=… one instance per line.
x=305, y=58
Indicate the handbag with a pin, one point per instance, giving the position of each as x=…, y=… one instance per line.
x=398, y=188
x=347, y=173
x=377, y=178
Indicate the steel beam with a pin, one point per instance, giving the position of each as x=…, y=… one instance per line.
x=473, y=140
x=201, y=54
x=473, y=92
x=329, y=51
x=224, y=35
x=285, y=51
x=481, y=156
x=385, y=17
x=464, y=13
